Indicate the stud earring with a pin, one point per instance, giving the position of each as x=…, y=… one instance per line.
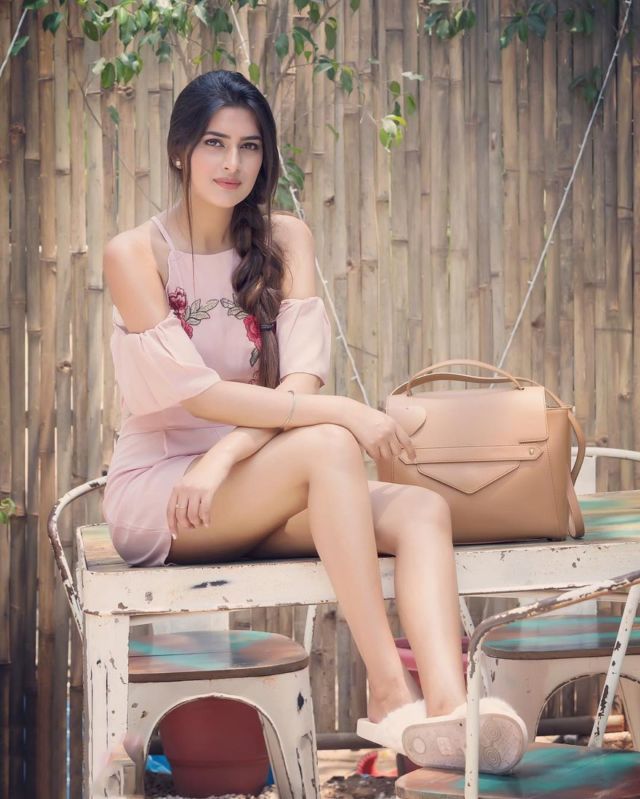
x=178, y=164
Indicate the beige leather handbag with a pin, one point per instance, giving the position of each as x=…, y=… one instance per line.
x=500, y=456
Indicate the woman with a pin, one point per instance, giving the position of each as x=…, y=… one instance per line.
x=226, y=450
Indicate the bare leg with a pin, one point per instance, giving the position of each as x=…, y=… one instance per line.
x=309, y=493
x=414, y=525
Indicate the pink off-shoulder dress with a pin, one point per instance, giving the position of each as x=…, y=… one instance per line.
x=206, y=337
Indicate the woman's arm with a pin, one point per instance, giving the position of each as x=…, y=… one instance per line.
x=245, y=441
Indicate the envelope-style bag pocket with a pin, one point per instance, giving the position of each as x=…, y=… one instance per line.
x=499, y=454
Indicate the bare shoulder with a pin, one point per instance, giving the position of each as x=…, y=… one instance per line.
x=295, y=239
x=130, y=267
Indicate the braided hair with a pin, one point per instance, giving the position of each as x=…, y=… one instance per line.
x=257, y=280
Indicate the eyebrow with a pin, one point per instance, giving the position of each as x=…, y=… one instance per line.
x=224, y=135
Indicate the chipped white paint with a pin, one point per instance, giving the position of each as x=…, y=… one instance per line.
x=615, y=667
x=482, y=569
x=599, y=588
x=106, y=683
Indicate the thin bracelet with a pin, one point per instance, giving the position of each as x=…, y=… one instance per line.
x=293, y=406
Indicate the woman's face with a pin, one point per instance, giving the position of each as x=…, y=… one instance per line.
x=226, y=161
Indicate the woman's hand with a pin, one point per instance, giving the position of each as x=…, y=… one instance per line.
x=190, y=501
x=379, y=434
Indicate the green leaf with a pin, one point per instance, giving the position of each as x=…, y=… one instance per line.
x=588, y=23
x=354, y=4
x=386, y=138
x=254, y=73
x=439, y=3
x=91, y=30
x=52, y=21
x=537, y=25
x=300, y=4
x=298, y=41
x=443, y=29
x=108, y=78
x=220, y=21
x=164, y=52
x=346, y=80
x=523, y=30
x=282, y=45
x=394, y=88
x=201, y=13
x=410, y=104
x=330, y=32
x=113, y=112
x=19, y=44
x=314, y=12
x=34, y=5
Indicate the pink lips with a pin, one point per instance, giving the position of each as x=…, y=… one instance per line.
x=228, y=184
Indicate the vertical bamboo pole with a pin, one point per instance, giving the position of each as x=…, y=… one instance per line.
x=635, y=168
x=479, y=145
x=522, y=355
x=510, y=264
x=142, y=119
x=536, y=202
x=425, y=119
x=5, y=406
x=458, y=212
x=624, y=327
x=46, y=629
x=166, y=104
x=28, y=586
x=440, y=158
x=12, y=685
x=413, y=311
x=496, y=196
x=156, y=145
x=473, y=91
x=63, y=421
x=79, y=357
x=117, y=168
x=95, y=177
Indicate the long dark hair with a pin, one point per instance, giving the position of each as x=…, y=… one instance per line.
x=257, y=280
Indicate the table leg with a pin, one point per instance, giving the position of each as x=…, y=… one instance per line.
x=106, y=687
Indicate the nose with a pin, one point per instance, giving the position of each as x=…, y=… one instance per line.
x=232, y=159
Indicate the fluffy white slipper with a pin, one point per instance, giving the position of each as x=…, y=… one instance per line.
x=439, y=742
x=388, y=732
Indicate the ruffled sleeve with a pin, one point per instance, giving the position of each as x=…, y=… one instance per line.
x=158, y=368
x=304, y=337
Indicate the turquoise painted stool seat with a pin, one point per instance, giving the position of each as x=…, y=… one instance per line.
x=547, y=771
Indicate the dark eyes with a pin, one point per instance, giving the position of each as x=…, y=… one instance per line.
x=249, y=145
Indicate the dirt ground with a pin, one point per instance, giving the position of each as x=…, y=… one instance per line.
x=338, y=779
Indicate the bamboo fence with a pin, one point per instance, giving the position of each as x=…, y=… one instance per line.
x=427, y=252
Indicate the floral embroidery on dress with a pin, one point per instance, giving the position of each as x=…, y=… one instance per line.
x=250, y=325
x=192, y=314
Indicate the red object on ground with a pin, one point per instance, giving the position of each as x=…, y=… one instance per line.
x=406, y=656
x=215, y=746
x=367, y=765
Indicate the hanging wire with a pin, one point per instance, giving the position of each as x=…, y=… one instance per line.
x=300, y=213
x=13, y=41
x=567, y=189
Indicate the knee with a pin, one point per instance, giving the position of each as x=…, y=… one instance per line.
x=425, y=511
x=328, y=442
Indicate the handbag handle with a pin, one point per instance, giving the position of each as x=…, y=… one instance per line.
x=430, y=375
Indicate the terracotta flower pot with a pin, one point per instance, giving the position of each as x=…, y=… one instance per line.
x=215, y=746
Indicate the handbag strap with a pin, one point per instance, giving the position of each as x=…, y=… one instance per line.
x=430, y=375
x=576, y=520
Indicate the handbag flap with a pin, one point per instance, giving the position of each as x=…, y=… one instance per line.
x=467, y=477
x=476, y=417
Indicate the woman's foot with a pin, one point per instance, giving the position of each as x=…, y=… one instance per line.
x=440, y=741
x=388, y=731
